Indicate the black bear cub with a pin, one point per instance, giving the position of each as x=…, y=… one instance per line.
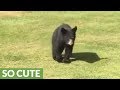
x=63, y=39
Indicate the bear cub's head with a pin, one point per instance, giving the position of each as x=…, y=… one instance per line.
x=69, y=35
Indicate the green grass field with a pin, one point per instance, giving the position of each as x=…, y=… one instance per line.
x=25, y=42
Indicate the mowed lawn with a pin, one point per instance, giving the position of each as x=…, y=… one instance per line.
x=25, y=42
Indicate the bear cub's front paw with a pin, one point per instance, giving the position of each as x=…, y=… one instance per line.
x=66, y=61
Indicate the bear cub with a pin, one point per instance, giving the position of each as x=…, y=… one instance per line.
x=63, y=39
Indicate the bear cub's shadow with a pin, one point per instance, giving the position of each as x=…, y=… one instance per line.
x=89, y=57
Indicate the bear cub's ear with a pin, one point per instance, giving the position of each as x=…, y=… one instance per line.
x=63, y=31
x=75, y=29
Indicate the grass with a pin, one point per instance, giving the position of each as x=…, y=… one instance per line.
x=25, y=42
